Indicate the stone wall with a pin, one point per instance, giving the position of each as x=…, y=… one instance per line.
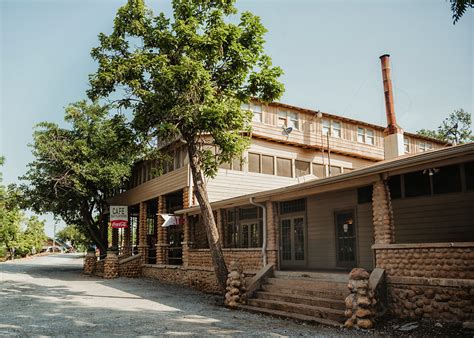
x=99, y=268
x=251, y=259
x=439, y=299
x=436, y=260
x=202, y=279
x=130, y=267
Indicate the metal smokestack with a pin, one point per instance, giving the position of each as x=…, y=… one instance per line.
x=392, y=126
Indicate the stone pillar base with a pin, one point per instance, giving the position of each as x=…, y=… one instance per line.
x=143, y=250
x=89, y=262
x=111, y=265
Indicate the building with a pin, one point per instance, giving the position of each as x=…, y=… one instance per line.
x=319, y=193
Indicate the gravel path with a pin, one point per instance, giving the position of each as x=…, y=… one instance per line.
x=49, y=295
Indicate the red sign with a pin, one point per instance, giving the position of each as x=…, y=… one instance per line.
x=119, y=224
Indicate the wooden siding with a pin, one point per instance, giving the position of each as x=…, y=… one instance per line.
x=169, y=182
x=441, y=218
x=321, y=236
x=231, y=183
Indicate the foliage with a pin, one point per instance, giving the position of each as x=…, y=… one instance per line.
x=455, y=129
x=33, y=238
x=459, y=8
x=76, y=170
x=74, y=235
x=186, y=76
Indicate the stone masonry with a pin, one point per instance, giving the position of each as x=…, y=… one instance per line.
x=384, y=227
x=130, y=267
x=142, y=232
x=90, y=261
x=361, y=301
x=111, y=265
x=235, y=285
x=162, y=241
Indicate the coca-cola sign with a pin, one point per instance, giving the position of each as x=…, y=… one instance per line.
x=119, y=216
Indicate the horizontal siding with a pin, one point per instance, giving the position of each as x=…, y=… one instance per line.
x=321, y=227
x=169, y=182
x=442, y=218
x=365, y=235
x=231, y=183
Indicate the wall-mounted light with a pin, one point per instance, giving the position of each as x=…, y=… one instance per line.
x=318, y=114
x=430, y=171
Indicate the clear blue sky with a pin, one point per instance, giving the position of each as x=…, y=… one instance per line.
x=328, y=49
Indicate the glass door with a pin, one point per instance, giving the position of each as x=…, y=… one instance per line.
x=292, y=242
x=345, y=239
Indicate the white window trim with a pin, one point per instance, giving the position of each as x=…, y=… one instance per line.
x=288, y=118
x=331, y=128
x=364, y=136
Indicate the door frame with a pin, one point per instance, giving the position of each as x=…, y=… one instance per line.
x=356, y=235
x=293, y=263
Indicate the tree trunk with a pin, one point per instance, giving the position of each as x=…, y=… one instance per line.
x=215, y=244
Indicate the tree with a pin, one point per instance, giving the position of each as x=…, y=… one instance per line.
x=455, y=129
x=76, y=170
x=74, y=235
x=459, y=7
x=187, y=77
x=33, y=238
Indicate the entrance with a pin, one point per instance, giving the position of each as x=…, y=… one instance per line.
x=345, y=239
x=292, y=242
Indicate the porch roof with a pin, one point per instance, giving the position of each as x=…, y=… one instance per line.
x=359, y=177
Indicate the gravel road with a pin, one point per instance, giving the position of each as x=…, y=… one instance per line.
x=49, y=295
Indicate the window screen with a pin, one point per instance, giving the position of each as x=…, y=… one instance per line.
x=301, y=168
x=446, y=179
x=293, y=206
x=364, y=194
x=254, y=163
x=236, y=164
x=417, y=184
x=395, y=186
x=335, y=170
x=469, y=171
x=268, y=165
x=284, y=167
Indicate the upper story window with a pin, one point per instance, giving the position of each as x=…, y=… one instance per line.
x=331, y=127
x=425, y=146
x=256, y=109
x=288, y=119
x=406, y=145
x=365, y=135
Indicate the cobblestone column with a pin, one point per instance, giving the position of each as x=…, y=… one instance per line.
x=186, y=230
x=361, y=301
x=89, y=262
x=111, y=265
x=127, y=241
x=142, y=244
x=272, y=235
x=384, y=226
x=162, y=241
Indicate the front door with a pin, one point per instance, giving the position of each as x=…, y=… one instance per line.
x=346, y=239
x=292, y=243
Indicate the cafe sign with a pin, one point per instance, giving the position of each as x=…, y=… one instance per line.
x=118, y=216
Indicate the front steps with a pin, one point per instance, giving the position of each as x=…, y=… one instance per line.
x=311, y=297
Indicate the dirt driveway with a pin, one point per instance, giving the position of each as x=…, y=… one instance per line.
x=50, y=296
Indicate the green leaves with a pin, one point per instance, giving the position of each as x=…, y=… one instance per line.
x=188, y=75
x=455, y=129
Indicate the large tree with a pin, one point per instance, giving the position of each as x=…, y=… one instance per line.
x=186, y=76
x=77, y=169
x=455, y=129
x=459, y=8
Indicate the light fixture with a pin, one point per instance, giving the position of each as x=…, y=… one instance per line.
x=431, y=171
x=318, y=114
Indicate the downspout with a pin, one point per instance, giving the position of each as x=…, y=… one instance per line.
x=264, y=230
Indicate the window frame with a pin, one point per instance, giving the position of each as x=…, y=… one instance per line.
x=290, y=118
x=328, y=125
x=365, y=136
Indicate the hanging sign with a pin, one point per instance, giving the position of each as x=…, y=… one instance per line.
x=171, y=219
x=119, y=216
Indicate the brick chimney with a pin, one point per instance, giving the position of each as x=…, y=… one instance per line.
x=393, y=134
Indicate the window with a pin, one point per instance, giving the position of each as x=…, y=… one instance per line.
x=268, y=165
x=284, y=167
x=256, y=109
x=288, y=119
x=469, y=173
x=417, y=184
x=319, y=170
x=289, y=207
x=446, y=179
x=333, y=170
x=365, y=135
x=235, y=165
x=254, y=163
x=301, y=168
x=406, y=145
x=243, y=227
x=425, y=146
x=395, y=186
x=332, y=127
x=364, y=194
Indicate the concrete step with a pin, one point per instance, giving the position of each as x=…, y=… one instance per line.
x=304, y=291
x=337, y=304
x=291, y=315
x=341, y=277
x=308, y=283
x=303, y=309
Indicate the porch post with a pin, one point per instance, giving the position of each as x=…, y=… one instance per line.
x=142, y=232
x=186, y=230
x=162, y=243
x=115, y=238
x=272, y=235
x=127, y=244
x=384, y=226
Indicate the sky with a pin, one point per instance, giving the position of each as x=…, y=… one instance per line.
x=328, y=50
